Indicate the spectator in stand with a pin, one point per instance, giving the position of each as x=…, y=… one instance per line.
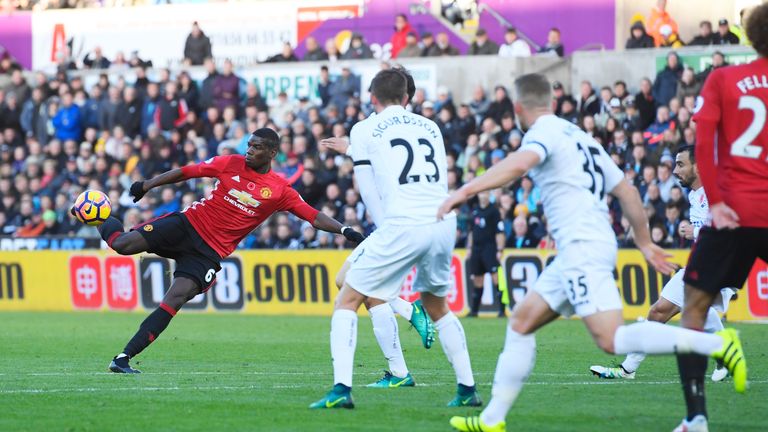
x=589, y=103
x=646, y=103
x=344, y=88
x=206, y=88
x=411, y=48
x=665, y=181
x=568, y=112
x=553, y=45
x=324, y=86
x=444, y=47
x=226, y=87
x=332, y=50
x=688, y=85
x=108, y=109
x=95, y=60
x=558, y=97
x=67, y=120
x=398, y=39
x=314, y=52
x=18, y=86
x=501, y=104
x=724, y=35
x=119, y=64
x=665, y=85
x=521, y=238
x=253, y=98
x=428, y=46
x=197, y=47
x=718, y=61
x=479, y=104
x=659, y=18
x=620, y=90
x=187, y=90
x=482, y=45
x=655, y=132
x=671, y=39
x=149, y=108
x=286, y=55
x=705, y=35
x=358, y=49
x=638, y=38
x=172, y=109
x=514, y=46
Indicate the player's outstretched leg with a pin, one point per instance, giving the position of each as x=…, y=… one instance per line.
x=182, y=290
x=454, y=344
x=515, y=364
x=124, y=243
x=661, y=311
x=385, y=329
x=418, y=317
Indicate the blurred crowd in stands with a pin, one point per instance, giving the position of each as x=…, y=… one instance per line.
x=59, y=138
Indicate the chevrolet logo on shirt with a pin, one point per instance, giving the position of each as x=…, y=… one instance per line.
x=244, y=198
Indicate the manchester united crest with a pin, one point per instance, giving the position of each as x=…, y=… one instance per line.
x=266, y=192
x=148, y=227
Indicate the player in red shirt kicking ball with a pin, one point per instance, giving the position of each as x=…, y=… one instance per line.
x=200, y=236
x=731, y=149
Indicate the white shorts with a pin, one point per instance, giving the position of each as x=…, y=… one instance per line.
x=674, y=291
x=381, y=263
x=580, y=280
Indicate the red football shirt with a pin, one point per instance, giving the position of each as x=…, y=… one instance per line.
x=732, y=140
x=241, y=201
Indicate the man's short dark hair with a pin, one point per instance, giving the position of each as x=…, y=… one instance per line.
x=511, y=30
x=269, y=136
x=691, y=149
x=389, y=86
x=533, y=90
x=410, y=83
x=706, y=23
x=757, y=28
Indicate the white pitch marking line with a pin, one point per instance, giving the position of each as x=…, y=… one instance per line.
x=301, y=386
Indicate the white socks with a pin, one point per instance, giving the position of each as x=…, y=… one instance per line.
x=455, y=348
x=515, y=364
x=655, y=338
x=386, y=331
x=713, y=323
x=402, y=308
x=632, y=362
x=343, y=343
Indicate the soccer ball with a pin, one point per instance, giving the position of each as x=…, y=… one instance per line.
x=92, y=207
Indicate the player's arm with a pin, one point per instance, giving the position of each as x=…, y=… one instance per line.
x=293, y=203
x=708, y=116
x=632, y=208
x=210, y=168
x=509, y=169
x=139, y=188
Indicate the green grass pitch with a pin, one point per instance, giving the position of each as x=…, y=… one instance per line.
x=238, y=372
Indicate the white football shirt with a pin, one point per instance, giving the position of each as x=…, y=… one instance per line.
x=699, y=211
x=407, y=154
x=575, y=174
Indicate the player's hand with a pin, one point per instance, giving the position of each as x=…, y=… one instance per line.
x=686, y=231
x=723, y=217
x=454, y=200
x=498, y=256
x=352, y=235
x=659, y=258
x=339, y=144
x=137, y=191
